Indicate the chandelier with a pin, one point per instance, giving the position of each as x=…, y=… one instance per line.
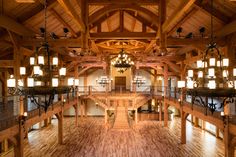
x=122, y=62
x=103, y=80
x=139, y=80
x=46, y=76
x=212, y=83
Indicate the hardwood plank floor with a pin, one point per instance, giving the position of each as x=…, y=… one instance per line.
x=148, y=139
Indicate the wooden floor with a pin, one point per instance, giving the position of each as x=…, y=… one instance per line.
x=147, y=139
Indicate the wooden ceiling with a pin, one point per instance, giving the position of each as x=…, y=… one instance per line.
x=110, y=26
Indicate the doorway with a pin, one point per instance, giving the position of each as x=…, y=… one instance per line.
x=120, y=83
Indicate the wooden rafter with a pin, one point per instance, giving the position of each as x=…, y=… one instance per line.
x=183, y=8
x=15, y=27
x=152, y=24
x=98, y=14
x=67, y=6
x=60, y=19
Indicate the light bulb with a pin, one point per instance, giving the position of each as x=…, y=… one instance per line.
x=212, y=84
x=22, y=71
x=190, y=73
x=211, y=72
x=41, y=60
x=225, y=62
x=70, y=81
x=32, y=60
x=212, y=62
x=30, y=82
x=181, y=84
x=55, y=61
x=11, y=82
x=200, y=74
x=62, y=72
x=54, y=82
x=199, y=64
x=36, y=70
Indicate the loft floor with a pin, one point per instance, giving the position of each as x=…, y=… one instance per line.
x=148, y=139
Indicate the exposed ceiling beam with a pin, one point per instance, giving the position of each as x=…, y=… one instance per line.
x=101, y=12
x=148, y=23
x=7, y=63
x=182, y=9
x=68, y=7
x=15, y=27
x=62, y=21
x=226, y=29
x=52, y=42
x=101, y=19
x=122, y=35
x=107, y=2
x=182, y=21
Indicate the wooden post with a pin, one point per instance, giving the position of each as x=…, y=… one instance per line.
x=183, y=127
x=46, y=122
x=203, y=125
x=21, y=105
x=229, y=149
x=217, y=132
x=196, y=121
x=136, y=116
x=19, y=148
x=105, y=116
x=5, y=145
x=85, y=107
x=165, y=95
x=162, y=18
x=84, y=16
x=160, y=111
x=192, y=121
x=76, y=114
x=165, y=114
x=60, y=118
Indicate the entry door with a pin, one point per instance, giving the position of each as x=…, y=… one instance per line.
x=120, y=83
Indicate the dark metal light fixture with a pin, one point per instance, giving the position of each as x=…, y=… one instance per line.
x=122, y=62
x=212, y=83
x=45, y=77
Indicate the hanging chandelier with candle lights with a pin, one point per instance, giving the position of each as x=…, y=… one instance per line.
x=122, y=62
x=45, y=77
x=212, y=83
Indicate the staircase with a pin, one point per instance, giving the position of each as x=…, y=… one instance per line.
x=121, y=120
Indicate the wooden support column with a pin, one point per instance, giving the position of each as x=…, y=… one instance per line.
x=192, y=121
x=60, y=118
x=165, y=95
x=85, y=107
x=76, y=74
x=196, y=121
x=166, y=114
x=183, y=127
x=136, y=116
x=46, y=122
x=5, y=145
x=19, y=145
x=105, y=116
x=229, y=149
x=160, y=111
x=21, y=105
x=203, y=125
x=217, y=132
x=76, y=114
